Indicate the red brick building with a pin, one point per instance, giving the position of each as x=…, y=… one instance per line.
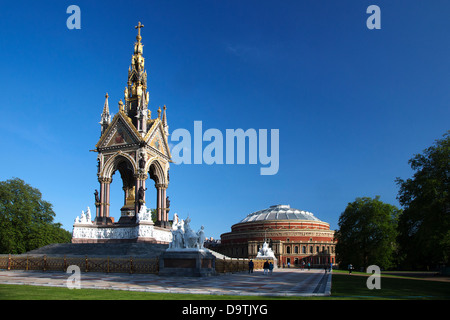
x=294, y=236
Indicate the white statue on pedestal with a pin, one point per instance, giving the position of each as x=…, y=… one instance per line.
x=177, y=222
x=190, y=237
x=88, y=215
x=266, y=253
x=184, y=238
x=201, y=237
x=177, y=239
x=85, y=217
x=144, y=214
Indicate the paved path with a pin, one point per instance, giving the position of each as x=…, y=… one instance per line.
x=283, y=282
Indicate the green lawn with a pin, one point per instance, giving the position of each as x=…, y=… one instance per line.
x=343, y=287
x=27, y=292
x=353, y=286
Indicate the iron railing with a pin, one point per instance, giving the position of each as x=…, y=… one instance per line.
x=110, y=264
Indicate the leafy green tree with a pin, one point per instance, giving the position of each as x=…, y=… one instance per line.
x=154, y=214
x=26, y=221
x=424, y=226
x=367, y=233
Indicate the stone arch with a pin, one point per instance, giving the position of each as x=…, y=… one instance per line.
x=126, y=166
x=113, y=162
x=156, y=171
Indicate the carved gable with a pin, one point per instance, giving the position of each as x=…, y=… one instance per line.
x=119, y=133
x=157, y=139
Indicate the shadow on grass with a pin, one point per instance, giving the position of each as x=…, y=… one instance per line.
x=29, y=292
x=354, y=287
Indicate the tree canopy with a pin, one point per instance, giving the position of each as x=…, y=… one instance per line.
x=424, y=226
x=367, y=233
x=26, y=220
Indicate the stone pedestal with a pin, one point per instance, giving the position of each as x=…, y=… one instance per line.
x=187, y=263
x=142, y=231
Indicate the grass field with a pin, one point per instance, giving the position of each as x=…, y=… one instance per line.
x=344, y=286
x=353, y=286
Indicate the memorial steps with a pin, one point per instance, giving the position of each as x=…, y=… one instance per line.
x=141, y=250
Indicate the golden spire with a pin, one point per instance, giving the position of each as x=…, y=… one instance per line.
x=164, y=122
x=164, y=119
x=105, y=117
x=106, y=106
x=139, y=26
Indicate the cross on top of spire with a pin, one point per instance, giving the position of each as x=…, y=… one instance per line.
x=139, y=26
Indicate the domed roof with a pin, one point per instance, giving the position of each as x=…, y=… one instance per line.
x=279, y=212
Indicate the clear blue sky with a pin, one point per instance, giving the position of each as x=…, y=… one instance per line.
x=352, y=105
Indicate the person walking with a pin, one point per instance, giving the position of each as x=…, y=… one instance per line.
x=270, y=267
x=350, y=268
x=309, y=266
x=266, y=267
x=250, y=266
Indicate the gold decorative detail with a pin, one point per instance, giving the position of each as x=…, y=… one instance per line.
x=139, y=26
x=131, y=196
x=104, y=180
x=164, y=118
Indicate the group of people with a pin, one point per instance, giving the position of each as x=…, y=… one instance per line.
x=302, y=265
x=268, y=267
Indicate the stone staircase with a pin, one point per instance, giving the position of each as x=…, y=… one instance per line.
x=219, y=255
x=138, y=250
x=135, y=250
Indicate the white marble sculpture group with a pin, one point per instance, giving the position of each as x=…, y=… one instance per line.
x=85, y=217
x=180, y=237
x=184, y=238
x=83, y=228
x=144, y=214
x=266, y=253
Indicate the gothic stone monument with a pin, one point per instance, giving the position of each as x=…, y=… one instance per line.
x=135, y=145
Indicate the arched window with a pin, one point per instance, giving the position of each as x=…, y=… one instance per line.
x=288, y=249
x=304, y=249
x=296, y=249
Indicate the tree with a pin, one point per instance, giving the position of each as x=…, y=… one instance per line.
x=367, y=233
x=424, y=226
x=26, y=221
x=154, y=214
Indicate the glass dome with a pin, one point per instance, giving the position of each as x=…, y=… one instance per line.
x=279, y=212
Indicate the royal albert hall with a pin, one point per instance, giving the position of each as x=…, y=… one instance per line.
x=295, y=236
